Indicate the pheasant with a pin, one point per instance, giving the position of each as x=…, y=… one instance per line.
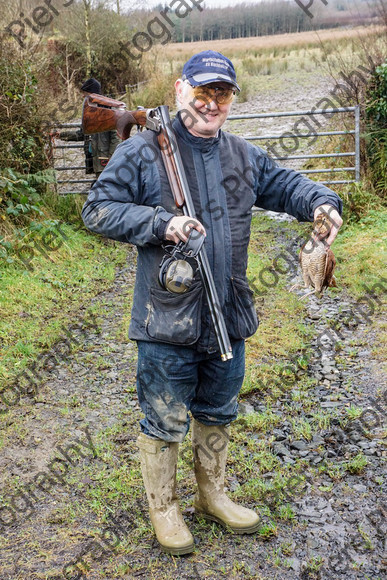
x=317, y=260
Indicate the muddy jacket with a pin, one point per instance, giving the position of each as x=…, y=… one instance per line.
x=132, y=202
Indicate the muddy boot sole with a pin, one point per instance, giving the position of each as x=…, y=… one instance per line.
x=177, y=551
x=211, y=518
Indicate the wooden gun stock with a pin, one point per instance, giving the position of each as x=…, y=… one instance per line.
x=102, y=113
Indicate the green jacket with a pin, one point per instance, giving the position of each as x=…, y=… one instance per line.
x=100, y=147
x=103, y=146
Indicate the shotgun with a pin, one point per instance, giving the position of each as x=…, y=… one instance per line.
x=104, y=114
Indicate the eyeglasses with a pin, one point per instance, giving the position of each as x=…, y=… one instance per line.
x=219, y=94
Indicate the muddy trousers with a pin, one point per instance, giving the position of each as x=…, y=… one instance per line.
x=172, y=380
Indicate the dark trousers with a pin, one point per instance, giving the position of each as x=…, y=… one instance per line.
x=172, y=380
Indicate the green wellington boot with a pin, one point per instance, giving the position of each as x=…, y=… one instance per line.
x=210, y=444
x=158, y=466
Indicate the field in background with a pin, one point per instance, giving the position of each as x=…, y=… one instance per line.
x=263, y=64
x=236, y=45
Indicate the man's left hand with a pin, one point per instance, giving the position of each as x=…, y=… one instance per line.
x=334, y=217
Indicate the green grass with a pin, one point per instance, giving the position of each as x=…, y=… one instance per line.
x=260, y=421
x=313, y=565
x=267, y=531
x=302, y=429
x=354, y=412
x=361, y=253
x=36, y=306
x=357, y=464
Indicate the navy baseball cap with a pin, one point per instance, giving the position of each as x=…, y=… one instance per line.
x=208, y=67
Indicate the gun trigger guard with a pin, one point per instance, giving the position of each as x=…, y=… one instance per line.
x=193, y=245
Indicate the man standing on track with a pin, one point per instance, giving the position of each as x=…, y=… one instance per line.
x=179, y=367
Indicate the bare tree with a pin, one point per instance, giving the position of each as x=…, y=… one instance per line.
x=68, y=74
x=86, y=15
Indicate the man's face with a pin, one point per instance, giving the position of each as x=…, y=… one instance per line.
x=202, y=115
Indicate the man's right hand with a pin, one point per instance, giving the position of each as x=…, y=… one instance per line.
x=180, y=227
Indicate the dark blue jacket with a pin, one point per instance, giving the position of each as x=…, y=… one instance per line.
x=132, y=202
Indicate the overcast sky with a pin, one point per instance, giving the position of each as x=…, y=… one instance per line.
x=210, y=3
x=216, y=3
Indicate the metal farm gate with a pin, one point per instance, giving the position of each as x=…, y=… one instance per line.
x=289, y=140
x=69, y=161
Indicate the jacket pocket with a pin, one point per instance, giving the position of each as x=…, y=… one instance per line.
x=175, y=318
x=243, y=320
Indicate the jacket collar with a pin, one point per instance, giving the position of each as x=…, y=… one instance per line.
x=202, y=143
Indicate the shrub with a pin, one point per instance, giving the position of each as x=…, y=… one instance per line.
x=20, y=203
x=20, y=194
x=376, y=120
x=22, y=145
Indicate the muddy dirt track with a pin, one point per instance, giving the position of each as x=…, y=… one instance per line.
x=338, y=518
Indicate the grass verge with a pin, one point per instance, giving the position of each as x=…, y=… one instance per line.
x=44, y=295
